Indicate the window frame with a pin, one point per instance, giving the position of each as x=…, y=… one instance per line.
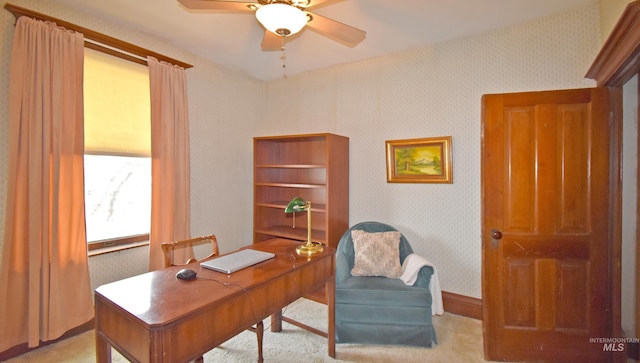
x=118, y=243
x=115, y=243
x=107, y=245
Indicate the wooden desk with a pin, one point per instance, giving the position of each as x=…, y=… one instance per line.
x=155, y=317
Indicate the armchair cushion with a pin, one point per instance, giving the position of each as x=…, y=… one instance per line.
x=376, y=254
x=383, y=291
x=345, y=255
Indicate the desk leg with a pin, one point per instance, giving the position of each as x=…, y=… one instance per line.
x=276, y=321
x=103, y=349
x=259, y=332
x=331, y=310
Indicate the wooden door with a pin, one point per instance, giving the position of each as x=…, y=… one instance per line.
x=546, y=212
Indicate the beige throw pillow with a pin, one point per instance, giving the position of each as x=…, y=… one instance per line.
x=376, y=254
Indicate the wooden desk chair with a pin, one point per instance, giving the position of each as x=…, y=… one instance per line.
x=168, y=248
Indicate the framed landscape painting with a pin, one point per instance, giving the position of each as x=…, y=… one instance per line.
x=426, y=160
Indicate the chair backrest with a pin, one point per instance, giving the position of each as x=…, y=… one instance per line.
x=169, y=247
x=344, y=252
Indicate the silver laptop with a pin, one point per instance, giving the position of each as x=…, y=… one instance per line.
x=237, y=260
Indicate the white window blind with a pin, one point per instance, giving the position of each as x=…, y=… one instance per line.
x=116, y=106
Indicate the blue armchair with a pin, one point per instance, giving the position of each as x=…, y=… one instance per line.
x=380, y=310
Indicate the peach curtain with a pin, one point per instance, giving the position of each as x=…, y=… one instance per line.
x=170, y=215
x=44, y=276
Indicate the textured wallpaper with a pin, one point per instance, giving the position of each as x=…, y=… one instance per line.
x=425, y=92
x=429, y=92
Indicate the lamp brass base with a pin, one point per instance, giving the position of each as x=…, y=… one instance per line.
x=309, y=248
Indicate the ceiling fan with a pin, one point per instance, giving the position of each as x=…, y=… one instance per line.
x=283, y=18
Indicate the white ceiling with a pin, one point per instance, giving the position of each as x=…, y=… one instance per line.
x=233, y=39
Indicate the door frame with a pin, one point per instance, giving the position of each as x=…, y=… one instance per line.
x=617, y=62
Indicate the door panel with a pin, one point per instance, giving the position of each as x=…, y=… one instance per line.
x=546, y=189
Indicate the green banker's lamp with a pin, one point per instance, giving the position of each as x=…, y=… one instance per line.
x=300, y=205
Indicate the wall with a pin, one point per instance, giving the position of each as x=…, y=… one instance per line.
x=429, y=92
x=425, y=92
x=224, y=109
x=610, y=12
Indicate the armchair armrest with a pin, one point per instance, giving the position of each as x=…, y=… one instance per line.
x=424, y=277
x=343, y=270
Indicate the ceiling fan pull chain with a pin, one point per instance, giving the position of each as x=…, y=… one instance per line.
x=283, y=57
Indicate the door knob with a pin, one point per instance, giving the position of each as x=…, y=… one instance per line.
x=496, y=235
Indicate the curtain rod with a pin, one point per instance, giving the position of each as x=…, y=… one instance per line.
x=100, y=42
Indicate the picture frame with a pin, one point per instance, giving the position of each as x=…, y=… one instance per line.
x=425, y=160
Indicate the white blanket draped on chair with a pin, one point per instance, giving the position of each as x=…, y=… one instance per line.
x=410, y=269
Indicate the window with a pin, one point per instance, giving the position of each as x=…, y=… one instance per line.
x=117, y=150
x=117, y=196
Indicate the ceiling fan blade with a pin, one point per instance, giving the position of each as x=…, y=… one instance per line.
x=336, y=30
x=217, y=5
x=271, y=41
x=318, y=3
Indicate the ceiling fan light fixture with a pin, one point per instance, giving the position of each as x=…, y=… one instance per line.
x=281, y=19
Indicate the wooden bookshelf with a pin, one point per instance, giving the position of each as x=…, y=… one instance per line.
x=314, y=167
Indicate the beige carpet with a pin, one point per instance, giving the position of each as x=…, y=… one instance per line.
x=459, y=338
